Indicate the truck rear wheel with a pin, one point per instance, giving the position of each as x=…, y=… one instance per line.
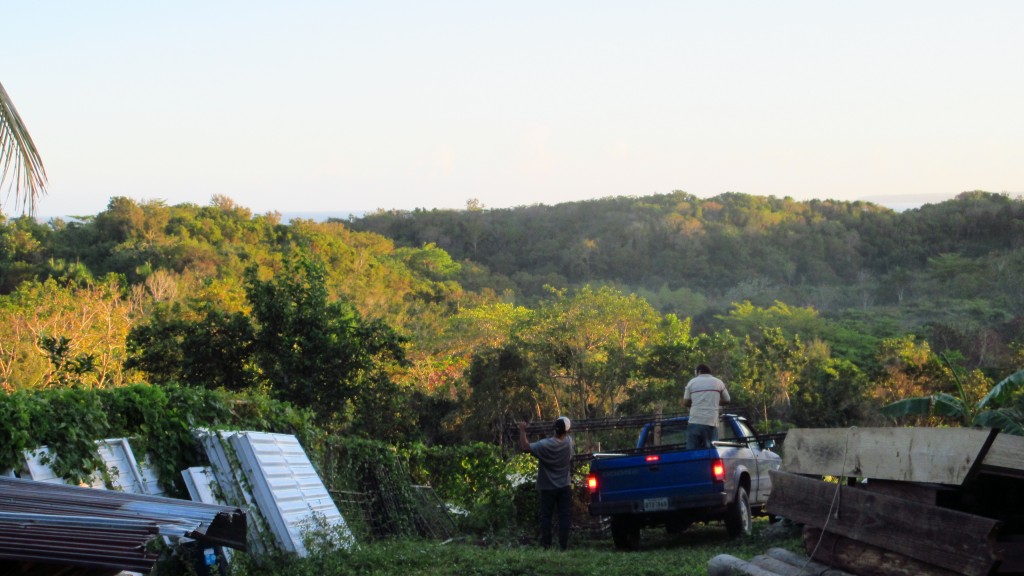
x=625, y=533
x=737, y=517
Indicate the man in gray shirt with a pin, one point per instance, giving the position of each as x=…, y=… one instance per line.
x=554, y=478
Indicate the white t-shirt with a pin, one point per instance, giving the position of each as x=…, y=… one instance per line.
x=705, y=392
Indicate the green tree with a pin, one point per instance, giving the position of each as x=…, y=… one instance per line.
x=47, y=324
x=908, y=368
x=666, y=366
x=769, y=375
x=830, y=392
x=205, y=346
x=505, y=388
x=321, y=354
x=588, y=345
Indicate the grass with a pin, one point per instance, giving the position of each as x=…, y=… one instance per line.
x=590, y=552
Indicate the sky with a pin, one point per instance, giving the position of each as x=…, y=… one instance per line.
x=345, y=107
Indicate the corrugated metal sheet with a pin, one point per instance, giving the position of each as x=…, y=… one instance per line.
x=199, y=481
x=287, y=488
x=271, y=477
x=85, y=542
x=59, y=524
x=122, y=469
x=126, y=473
x=37, y=466
x=233, y=488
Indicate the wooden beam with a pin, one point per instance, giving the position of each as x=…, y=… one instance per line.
x=861, y=558
x=930, y=455
x=962, y=542
x=922, y=493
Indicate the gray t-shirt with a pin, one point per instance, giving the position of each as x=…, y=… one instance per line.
x=555, y=466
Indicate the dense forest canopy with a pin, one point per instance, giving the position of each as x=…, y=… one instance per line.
x=448, y=325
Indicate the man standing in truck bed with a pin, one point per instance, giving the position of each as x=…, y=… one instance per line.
x=703, y=395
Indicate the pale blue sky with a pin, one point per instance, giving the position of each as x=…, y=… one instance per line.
x=337, y=106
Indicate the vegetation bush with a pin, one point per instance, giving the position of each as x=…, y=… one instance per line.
x=158, y=420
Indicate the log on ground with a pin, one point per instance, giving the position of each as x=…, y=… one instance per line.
x=805, y=562
x=726, y=565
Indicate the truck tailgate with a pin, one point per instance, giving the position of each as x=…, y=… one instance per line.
x=655, y=482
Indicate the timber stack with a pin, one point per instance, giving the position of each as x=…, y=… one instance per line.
x=900, y=501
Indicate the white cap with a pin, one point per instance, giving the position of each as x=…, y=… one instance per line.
x=565, y=421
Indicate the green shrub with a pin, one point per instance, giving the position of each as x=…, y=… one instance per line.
x=158, y=420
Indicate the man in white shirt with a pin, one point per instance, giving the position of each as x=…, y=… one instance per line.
x=703, y=395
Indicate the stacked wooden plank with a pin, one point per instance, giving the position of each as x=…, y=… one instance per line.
x=926, y=501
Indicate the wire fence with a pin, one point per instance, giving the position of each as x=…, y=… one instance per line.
x=395, y=507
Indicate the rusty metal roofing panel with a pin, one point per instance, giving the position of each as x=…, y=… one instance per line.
x=91, y=542
x=60, y=524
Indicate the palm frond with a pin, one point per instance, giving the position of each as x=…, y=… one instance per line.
x=19, y=159
x=937, y=405
x=1002, y=391
x=1007, y=420
x=951, y=406
x=908, y=407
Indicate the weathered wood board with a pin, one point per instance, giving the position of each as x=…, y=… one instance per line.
x=860, y=558
x=960, y=542
x=1005, y=457
x=922, y=493
x=932, y=455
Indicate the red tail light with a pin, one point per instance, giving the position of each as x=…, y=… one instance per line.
x=718, y=470
x=652, y=458
x=592, y=483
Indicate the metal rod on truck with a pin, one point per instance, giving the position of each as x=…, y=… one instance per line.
x=546, y=426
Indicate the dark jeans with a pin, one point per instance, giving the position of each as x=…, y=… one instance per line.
x=550, y=500
x=700, y=436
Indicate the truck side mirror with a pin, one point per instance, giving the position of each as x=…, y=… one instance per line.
x=769, y=444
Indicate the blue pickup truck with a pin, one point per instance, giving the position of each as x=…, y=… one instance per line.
x=662, y=483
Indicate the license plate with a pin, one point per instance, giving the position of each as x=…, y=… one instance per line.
x=655, y=504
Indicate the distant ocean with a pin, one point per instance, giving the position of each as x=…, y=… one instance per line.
x=285, y=216
x=903, y=202
x=319, y=216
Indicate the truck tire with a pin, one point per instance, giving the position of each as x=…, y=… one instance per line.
x=625, y=533
x=737, y=516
